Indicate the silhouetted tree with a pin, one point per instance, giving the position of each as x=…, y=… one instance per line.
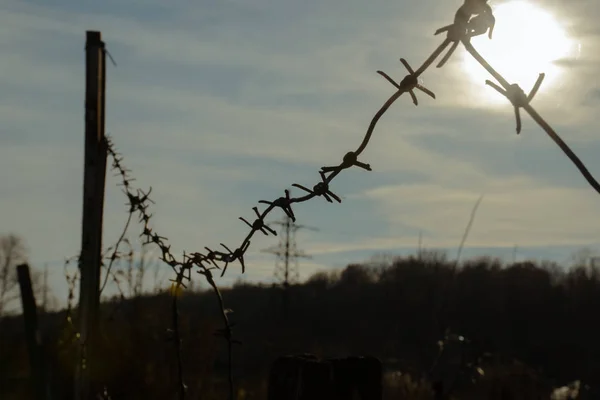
x=12, y=253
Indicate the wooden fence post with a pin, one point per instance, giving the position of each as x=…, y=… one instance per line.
x=93, y=204
x=32, y=334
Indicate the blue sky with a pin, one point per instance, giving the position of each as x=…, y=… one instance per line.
x=217, y=104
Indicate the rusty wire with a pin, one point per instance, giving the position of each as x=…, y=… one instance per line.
x=473, y=18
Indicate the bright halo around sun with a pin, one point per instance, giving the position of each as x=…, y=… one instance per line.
x=525, y=42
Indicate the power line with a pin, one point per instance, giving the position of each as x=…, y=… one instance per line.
x=286, y=265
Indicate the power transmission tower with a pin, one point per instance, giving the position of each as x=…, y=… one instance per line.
x=286, y=264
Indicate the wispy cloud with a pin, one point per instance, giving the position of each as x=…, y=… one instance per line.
x=514, y=211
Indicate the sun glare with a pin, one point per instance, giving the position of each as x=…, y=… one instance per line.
x=525, y=42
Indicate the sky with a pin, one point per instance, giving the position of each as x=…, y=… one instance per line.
x=219, y=104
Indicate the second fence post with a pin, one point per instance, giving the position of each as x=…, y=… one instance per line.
x=35, y=344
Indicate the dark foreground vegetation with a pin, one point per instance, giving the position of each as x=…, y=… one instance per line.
x=522, y=330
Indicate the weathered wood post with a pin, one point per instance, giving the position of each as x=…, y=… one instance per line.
x=32, y=334
x=93, y=204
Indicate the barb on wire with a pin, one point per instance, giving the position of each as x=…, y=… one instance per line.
x=282, y=202
x=409, y=83
x=350, y=159
x=481, y=23
x=183, y=274
x=517, y=97
x=411, y=79
x=473, y=18
x=212, y=256
x=320, y=189
x=237, y=254
x=259, y=224
x=403, y=89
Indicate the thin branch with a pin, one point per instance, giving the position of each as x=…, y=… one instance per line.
x=115, y=253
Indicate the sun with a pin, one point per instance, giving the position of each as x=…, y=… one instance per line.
x=525, y=42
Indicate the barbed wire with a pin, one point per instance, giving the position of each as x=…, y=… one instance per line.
x=472, y=19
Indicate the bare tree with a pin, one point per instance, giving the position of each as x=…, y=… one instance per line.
x=582, y=257
x=12, y=253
